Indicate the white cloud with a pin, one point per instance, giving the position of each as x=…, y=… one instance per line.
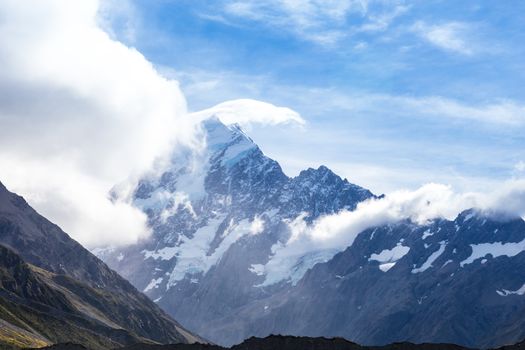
x=381, y=21
x=520, y=166
x=321, y=21
x=80, y=112
x=205, y=87
x=451, y=36
x=334, y=233
x=247, y=112
x=502, y=112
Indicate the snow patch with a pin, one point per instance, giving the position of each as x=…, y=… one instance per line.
x=495, y=249
x=469, y=216
x=257, y=269
x=154, y=283
x=387, y=266
x=427, y=233
x=446, y=263
x=388, y=257
x=505, y=292
x=433, y=257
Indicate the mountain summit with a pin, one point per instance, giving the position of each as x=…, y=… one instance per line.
x=220, y=258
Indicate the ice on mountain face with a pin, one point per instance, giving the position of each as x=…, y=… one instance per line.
x=293, y=267
x=166, y=253
x=180, y=200
x=433, y=257
x=237, y=151
x=386, y=266
x=495, y=249
x=166, y=203
x=387, y=258
x=307, y=261
x=227, y=140
x=257, y=226
x=194, y=255
x=257, y=269
x=446, y=263
x=469, y=216
x=427, y=233
x=505, y=292
x=154, y=283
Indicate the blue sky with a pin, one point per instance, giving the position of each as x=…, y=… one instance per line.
x=395, y=93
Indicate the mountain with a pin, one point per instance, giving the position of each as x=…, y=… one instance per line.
x=458, y=281
x=53, y=290
x=220, y=262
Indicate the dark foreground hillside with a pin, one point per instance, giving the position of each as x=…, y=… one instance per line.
x=52, y=290
x=277, y=342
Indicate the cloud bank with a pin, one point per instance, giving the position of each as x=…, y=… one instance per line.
x=80, y=112
x=319, y=242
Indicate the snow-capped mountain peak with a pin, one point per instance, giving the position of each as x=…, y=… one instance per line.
x=227, y=142
x=236, y=251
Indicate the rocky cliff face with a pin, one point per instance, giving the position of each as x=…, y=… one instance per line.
x=55, y=290
x=219, y=216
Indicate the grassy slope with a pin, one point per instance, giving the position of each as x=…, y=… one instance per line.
x=37, y=309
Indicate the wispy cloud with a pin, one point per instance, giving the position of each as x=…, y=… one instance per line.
x=322, y=22
x=203, y=87
x=500, y=112
x=450, y=36
x=381, y=21
x=520, y=166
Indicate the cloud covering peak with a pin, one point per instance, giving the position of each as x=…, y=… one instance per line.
x=334, y=233
x=80, y=112
x=247, y=112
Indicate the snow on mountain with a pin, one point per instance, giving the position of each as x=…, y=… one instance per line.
x=211, y=198
x=239, y=249
x=494, y=249
x=388, y=257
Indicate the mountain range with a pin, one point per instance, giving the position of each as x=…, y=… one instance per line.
x=227, y=258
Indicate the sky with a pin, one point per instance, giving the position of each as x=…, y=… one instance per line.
x=394, y=93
